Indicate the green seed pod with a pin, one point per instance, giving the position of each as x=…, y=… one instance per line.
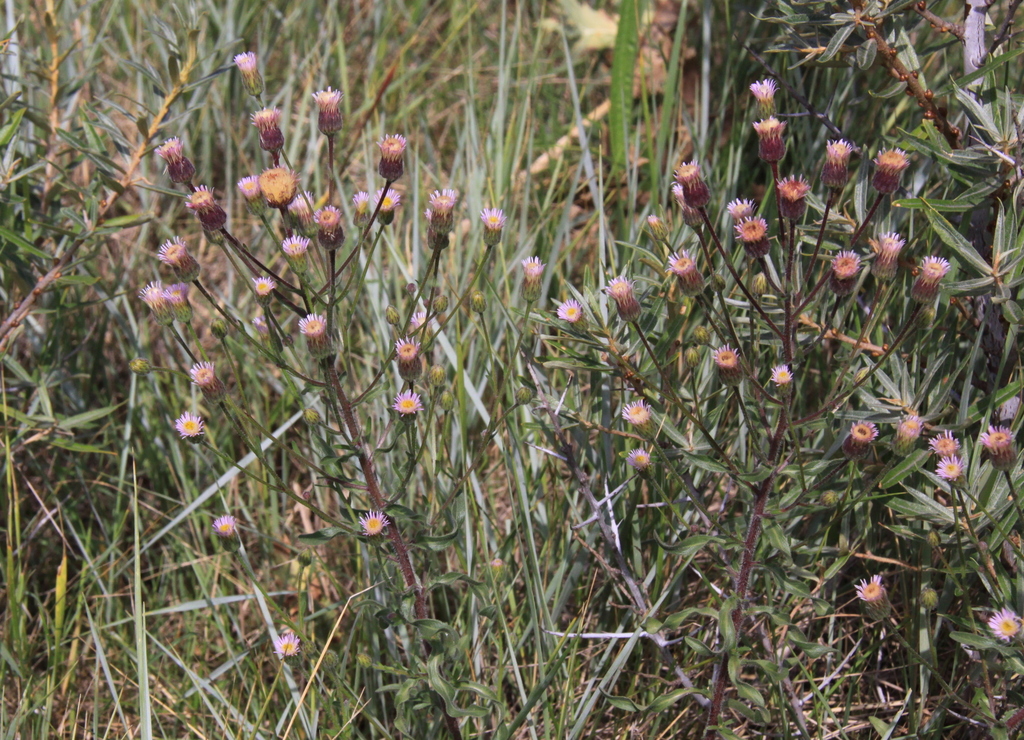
x=692, y=357
x=440, y=304
x=436, y=376
x=311, y=417
x=701, y=336
x=141, y=366
x=477, y=302
x=929, y=598
x=392, y=316
x=524, y=395
x=447, y=401
x=759, y=286
x=717, y=283
x=219, y=328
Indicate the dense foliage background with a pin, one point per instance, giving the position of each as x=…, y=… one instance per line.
x=569, y=595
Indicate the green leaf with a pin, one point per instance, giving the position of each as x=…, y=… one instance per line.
x=665, y=701
x=322, y=536
x=627, y=39
x=84, y=419
x=621, y=702
x=909, y=464
x=725, y=623
x=955, y=241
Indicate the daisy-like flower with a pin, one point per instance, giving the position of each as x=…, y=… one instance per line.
x=782, y=376
x=417, y=320
x=998, y=443
x=1005, y=624
x=202, y=203
x=753, y=235
x=858, y=443
x=680, y=264
x=252, y=81
x=874, y=598
x=361, y=208
x=300, y=214
x=730, y=372
x=392, y=162
x=639, y=415
x=179, y=167
x=279, y=186
x=887, y=254
x=328, y=103
x=153, y=296
x=295, y=249
x=189, y=426
x=889, y=166
x=945, y=445
x=926, y=286
x=764, y=93
x=836, y=170
x=388, y=203
x=373, y=523
x=408, y=404
x=771, y=147
x=695, y=191
x=314, y=328
x=251, y=191
x=691, y=216
x=264, y=288
x=225, y=526
x=410, y=365
x=287, y=645
x=907, y=432
x=204, y=376
x=533, y=271
x=329, y=231
x=740, y=209
x=951, y=468
x=570, y=311
x=843, y=276
x=176, y=296
x=442, y=208
x=494, y=222
x=620, y=290
x=640, y=459
x=268, y=123
x=656, y=228
x=793, y=192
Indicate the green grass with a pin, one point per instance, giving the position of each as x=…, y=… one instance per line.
x=125, y=617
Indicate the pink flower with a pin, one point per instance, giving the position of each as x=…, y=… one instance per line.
x=1005, y=624
x=407, y=403
x=373, y=523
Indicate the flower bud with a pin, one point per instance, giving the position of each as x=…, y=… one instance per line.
x=620, y=290
x=836, y=170
x=907, y=432
x=718, y=283
x=497, y=568
x=702, y=336
x=933, y=539
x=771, y=147
x=889, y=166
x=328, y=104
x=314, y=328
x=300, y=215
x=657, y=229
x=279, y=186
x=364, y=660
x=857, y=444
x=437, y=376
x=175, y=255
x=177, y=298
x=793, y=197
x=533, y=271
x=730, y=371
x=268, y=123
x=329, y=232
x=392, y=316
x=887, y=253
x=695, y=191
x=691, y=282
x=691, y=215
x=410, y=364
x=361, y=209
x=753, y=235
x=998, y=443
x=252, y=81
x=311, y=417
x=477, y=302
x=262, y=330
x=253, y=195
x=691, y=357
x=388, y=203
x=442, y=210
x=925, y=318
x=392, y=159
x=764, y=92
x=843, y=277
x=179, y=167
x=830, y=498
x=295, y=249
x=202, y=203
x=439, y=304
x=494, y=223
x=759, y=285
x=141, y=366
x=524, y=395
x=447, y=401
x=929, y=598
x=926, y=286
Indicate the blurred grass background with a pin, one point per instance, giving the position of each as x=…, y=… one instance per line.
x=122, y=618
